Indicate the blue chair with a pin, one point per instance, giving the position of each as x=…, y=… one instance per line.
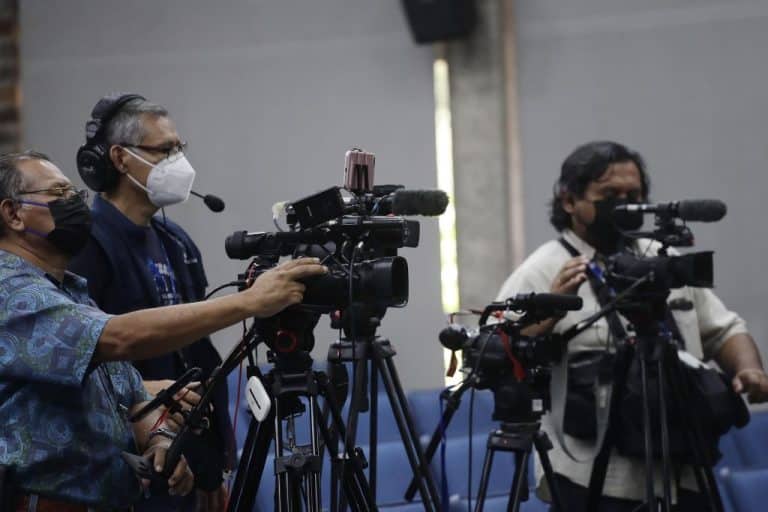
x=387, y=430
x=394, y=475
x=425, y=409
x=499, y=504
x=752, y=441
x=749, y=489
x=732, y=457
x=723, y=479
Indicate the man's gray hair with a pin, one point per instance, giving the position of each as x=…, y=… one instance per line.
x=11, y=179
x=126, y=127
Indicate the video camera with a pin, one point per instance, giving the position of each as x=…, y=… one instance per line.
x=652, y=277
x=499, y=357
x=356, y=231
x=663, y=271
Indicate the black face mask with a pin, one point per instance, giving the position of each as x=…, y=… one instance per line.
x=604, y=231
x=72, y=224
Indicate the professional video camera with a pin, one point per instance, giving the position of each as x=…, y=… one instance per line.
x=515, y=367
x=356, y=230
x=651, y=276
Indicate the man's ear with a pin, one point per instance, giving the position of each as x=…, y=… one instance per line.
x=568, y=201
x=9, y=211
x=118, y=156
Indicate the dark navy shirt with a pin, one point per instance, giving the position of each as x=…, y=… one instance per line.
x=62, y=420
x=160, y=268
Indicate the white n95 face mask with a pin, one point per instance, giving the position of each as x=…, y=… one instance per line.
x=170, y=180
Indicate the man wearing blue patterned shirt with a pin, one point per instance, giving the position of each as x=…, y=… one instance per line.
x=64, y=395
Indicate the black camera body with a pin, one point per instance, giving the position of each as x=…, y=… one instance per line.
x=515, y=367
x=642, y=282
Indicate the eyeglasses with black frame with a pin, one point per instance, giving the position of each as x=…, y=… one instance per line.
x=64, y=192
x=163, y=149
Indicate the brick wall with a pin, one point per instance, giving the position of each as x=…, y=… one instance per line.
x=10, y=95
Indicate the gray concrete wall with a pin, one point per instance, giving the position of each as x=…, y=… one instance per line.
x=480, y=180
x=270, y=95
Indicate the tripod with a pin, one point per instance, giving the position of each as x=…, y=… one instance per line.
x=289, y=380
x=518, y=438
x=519, y=433
x=655, y=352
x=360, y=350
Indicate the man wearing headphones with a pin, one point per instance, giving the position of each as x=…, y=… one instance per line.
x=64, y=395
x=133, y=260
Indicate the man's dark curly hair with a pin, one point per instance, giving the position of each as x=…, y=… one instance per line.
x=586, y=164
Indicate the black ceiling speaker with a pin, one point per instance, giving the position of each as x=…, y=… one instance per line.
x=439, y=20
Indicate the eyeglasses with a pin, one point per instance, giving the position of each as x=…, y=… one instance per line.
x=164, y=149
x=63, y=192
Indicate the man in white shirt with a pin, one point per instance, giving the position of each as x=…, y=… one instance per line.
x=594, y=179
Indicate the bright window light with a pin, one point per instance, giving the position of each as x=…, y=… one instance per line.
x=449, y=268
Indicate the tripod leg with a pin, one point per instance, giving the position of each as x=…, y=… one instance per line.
x=486, y=474
x=702, y=467
x=282, y=478
x=251, y=467
x=543, y=445
x=666, y=476
x=519, y=482
x=374, y=428
x=358, y=402
x=452, y=403
x=649, y=481
x=399, y=404
x=313, y=484
x=360, y=486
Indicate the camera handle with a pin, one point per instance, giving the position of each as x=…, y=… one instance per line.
x=194, y=418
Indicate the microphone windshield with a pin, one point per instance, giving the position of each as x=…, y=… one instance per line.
x=214, y=203
x=419, y=202
x=553, y=301
x=702, y=210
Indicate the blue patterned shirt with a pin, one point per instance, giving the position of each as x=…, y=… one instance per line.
x=62, y=420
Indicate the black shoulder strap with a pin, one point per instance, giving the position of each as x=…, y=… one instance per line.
x=602, y=292
x=600, y=462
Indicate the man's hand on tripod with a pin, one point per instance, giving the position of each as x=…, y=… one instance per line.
x=753, y=382
x=213, y=501
x=181, y=481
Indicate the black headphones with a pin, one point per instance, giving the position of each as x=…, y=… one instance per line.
x=93, y=162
